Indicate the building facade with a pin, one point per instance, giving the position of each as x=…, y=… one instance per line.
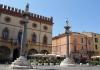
x=39, y=32
x=95, y=41
x=80, y=45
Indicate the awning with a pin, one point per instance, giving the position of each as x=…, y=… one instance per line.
x=95, y=57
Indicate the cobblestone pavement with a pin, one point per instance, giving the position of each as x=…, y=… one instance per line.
x=6, y=67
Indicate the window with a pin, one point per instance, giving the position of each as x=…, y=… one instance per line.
x=21, y=22
x=89, y=42
x=34, y=25
x=5, y=33
x=19, y=36
x=81, y=40
x=82, y=48
x=45, y=39
x=45, y=27
x=7, y=19
x=75, y=43
x=34, y=37
x=96, y=40
x=94, y=34
x=96, y=47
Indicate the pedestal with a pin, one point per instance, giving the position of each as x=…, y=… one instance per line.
x=67, y=62
x=21, y=63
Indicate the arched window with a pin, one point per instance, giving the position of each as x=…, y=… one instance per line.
x=32, y=51
x=45, y=39
x=34, y=37
x=19, y=37
x=44, y=52
x=5, y=33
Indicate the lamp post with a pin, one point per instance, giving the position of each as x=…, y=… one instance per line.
x=67, y=61
x=21, y=62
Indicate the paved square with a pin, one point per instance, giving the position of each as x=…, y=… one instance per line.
x=6, y=67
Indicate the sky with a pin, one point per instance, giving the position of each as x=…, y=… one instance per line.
x=83, y=15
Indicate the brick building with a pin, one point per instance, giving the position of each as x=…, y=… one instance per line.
x=80, y=45
x=95, y=41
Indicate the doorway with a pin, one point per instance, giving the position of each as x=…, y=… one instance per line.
x=16, y=53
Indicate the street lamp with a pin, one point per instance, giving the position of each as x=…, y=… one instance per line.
x=21, y=62
x=67, y=61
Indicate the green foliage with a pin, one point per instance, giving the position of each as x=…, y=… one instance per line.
x=46, y=60
x=31, y=60
x=95, y=62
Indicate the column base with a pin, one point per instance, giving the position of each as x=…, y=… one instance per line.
x=67, y=62
x=21, y=63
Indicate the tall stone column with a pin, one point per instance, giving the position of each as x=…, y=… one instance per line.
x=67, y=51
x=24, y=35
x=67, y=61
x=21, y=62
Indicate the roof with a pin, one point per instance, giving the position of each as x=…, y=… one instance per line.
x=59, y=36
x=63, y=34
x=19, y=13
